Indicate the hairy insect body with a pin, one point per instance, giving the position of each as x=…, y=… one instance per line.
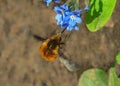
x=49, y=48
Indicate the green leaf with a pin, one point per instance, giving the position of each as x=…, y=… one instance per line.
x=113, y=79
x=119, y=82
x=99, y=13
x=93, y=77
x=118, y=58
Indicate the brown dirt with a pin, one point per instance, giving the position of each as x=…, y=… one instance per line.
x=20, y=62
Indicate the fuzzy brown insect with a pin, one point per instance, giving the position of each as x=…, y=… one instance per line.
x=49, y=49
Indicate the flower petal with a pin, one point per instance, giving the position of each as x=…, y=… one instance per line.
x=77, y=12
x=86, y=8
x=64, y=25
x=78, y=20
x=56, y=1
x=57, y=9
x=76, y=27
x=69, y=28
x=58, y=17
x=64, y=6
x=72, y=22
x=48, y=2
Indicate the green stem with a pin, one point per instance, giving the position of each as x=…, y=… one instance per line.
x=73, y=4
x=77, y=5
x=68, y=2
x=87, y=2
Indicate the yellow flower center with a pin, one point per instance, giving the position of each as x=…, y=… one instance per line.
x=72, y=17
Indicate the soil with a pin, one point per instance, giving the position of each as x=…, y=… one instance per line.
x=20, y=62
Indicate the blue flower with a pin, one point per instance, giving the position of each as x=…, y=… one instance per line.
x=67, y=19
x=49, y=1
x=59, y=19
x=69, y=28
x=56, y=1
x=61, y=13
x=61, y=9
x=73, y=19
x=87, y=8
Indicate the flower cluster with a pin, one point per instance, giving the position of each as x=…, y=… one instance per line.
x=66, y=15
x=66, y=18
x=49, y=1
